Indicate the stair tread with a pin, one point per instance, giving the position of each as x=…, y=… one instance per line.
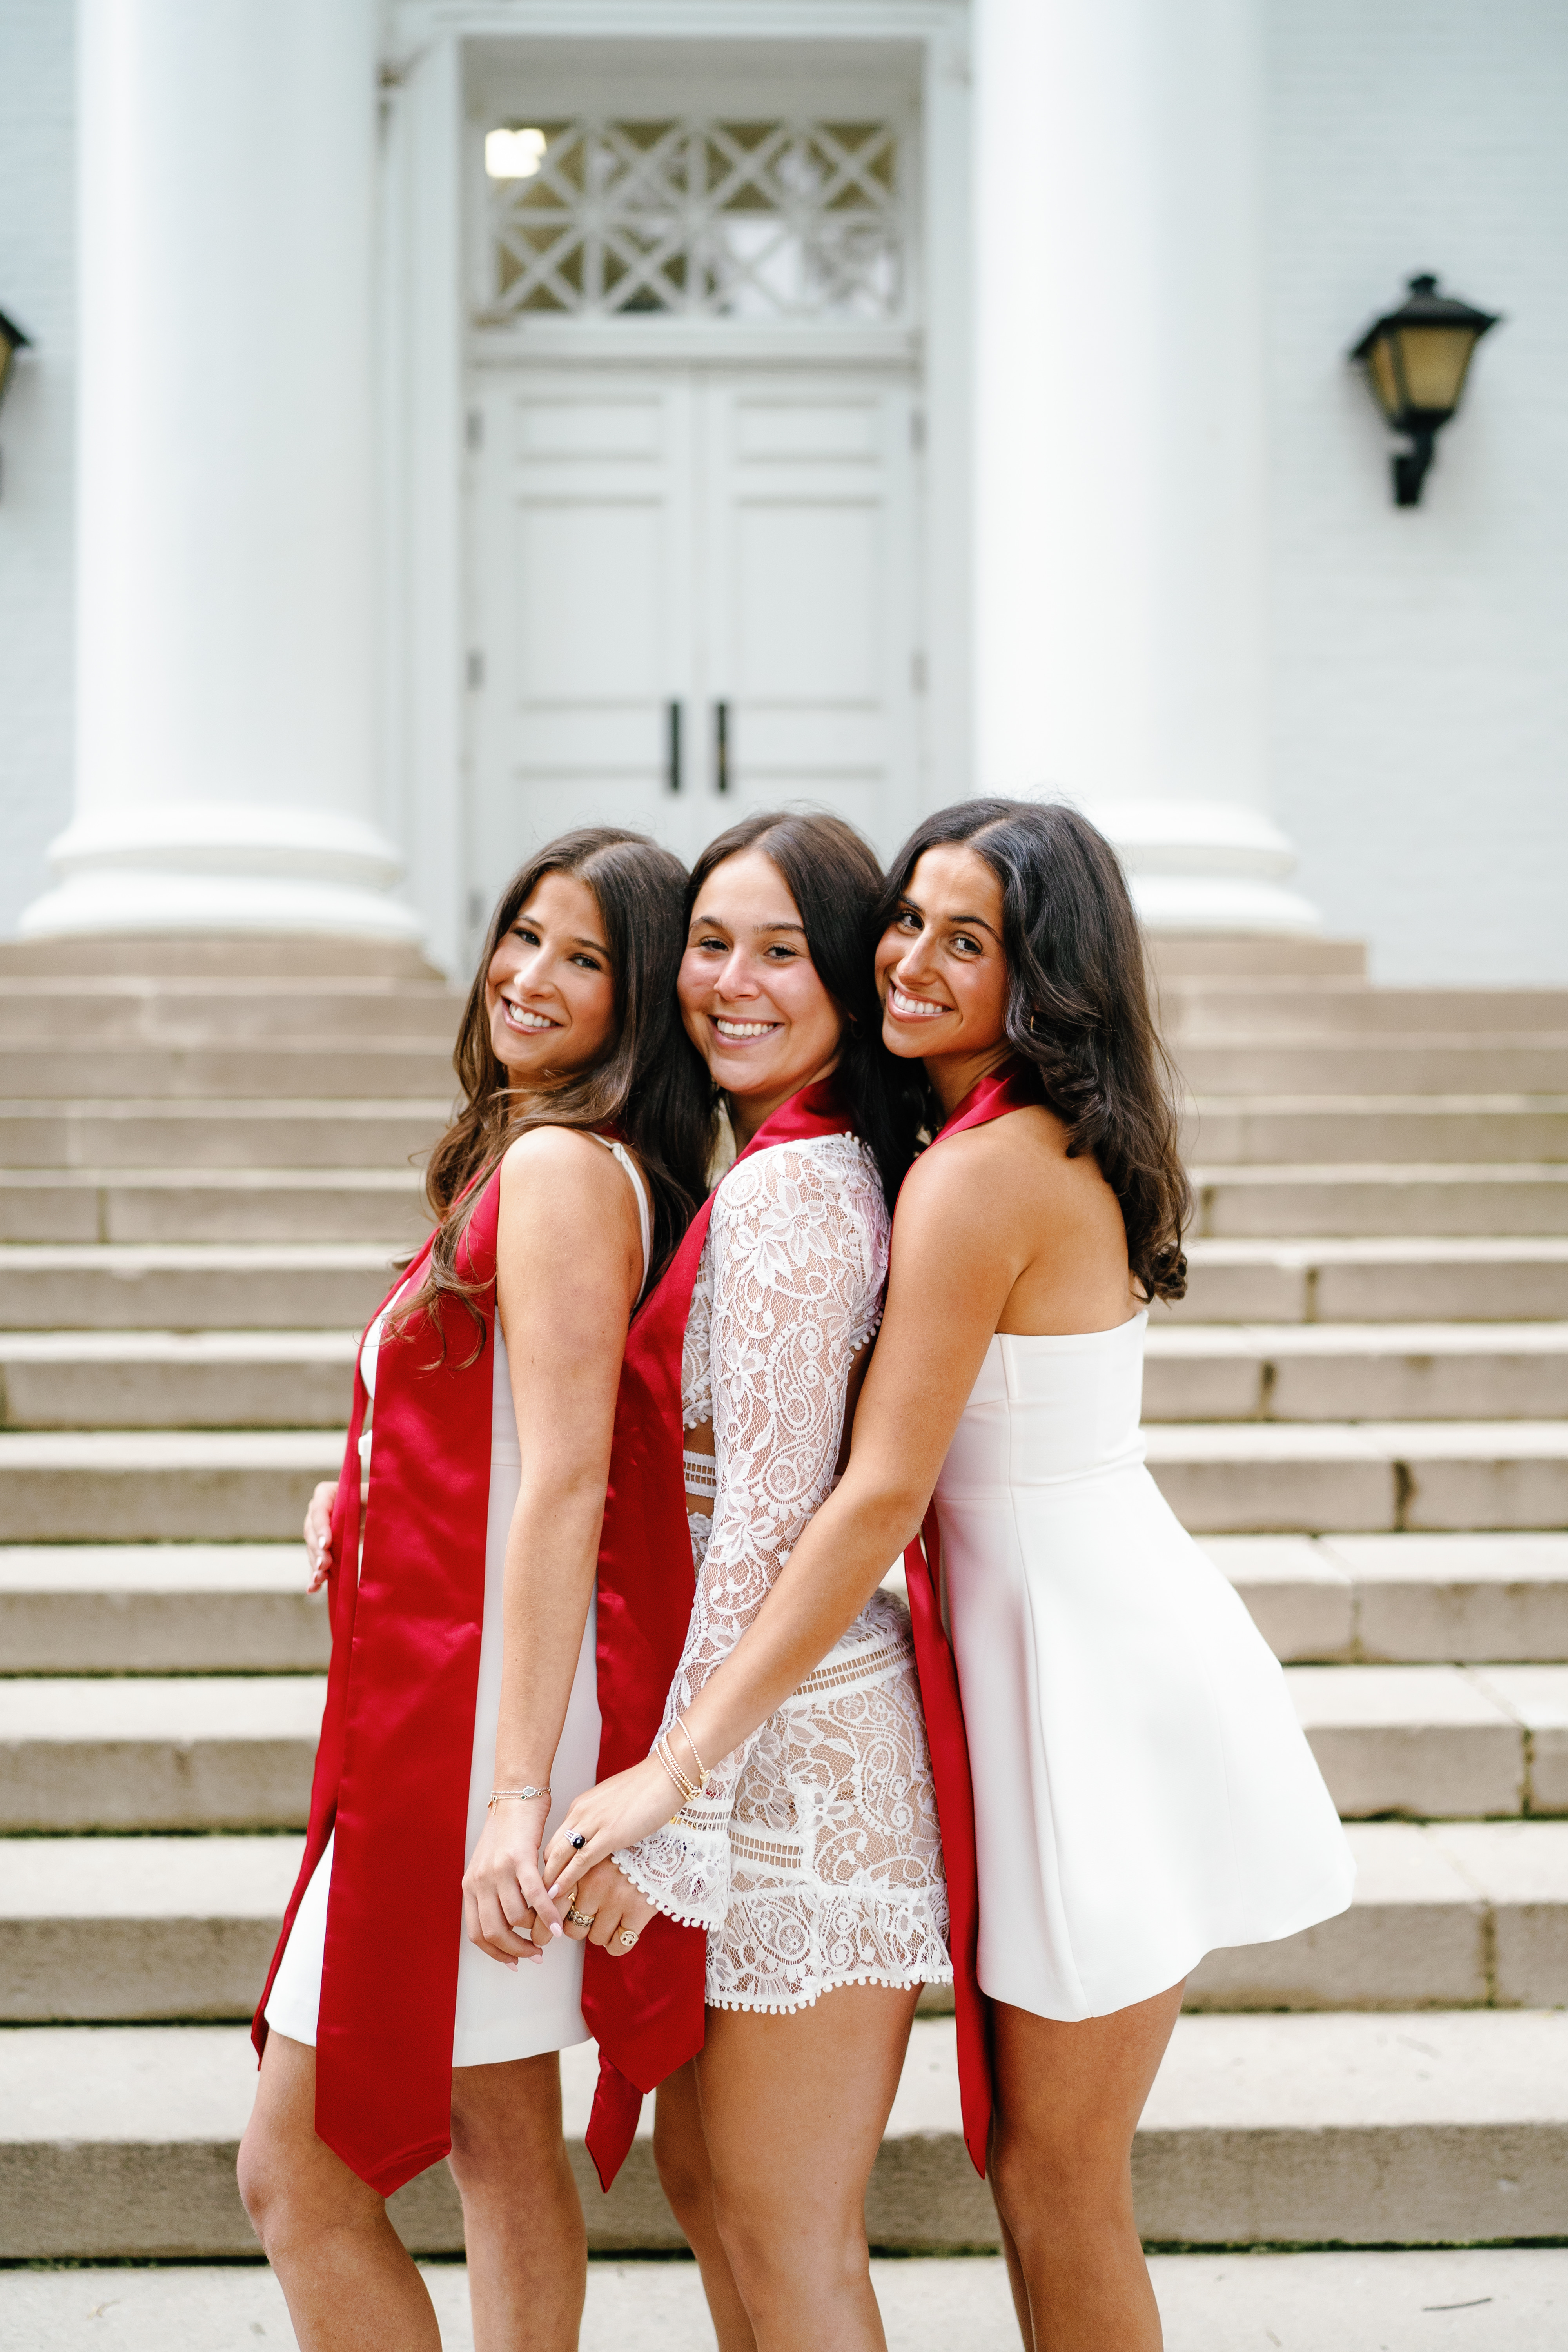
x=1363, y=1441
x=159, y=1710
x=121, y=1568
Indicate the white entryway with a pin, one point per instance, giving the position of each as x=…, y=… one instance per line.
x=696, y=594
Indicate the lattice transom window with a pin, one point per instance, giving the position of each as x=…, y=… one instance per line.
x=797, y=219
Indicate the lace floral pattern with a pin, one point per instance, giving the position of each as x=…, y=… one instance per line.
x=811, y=1855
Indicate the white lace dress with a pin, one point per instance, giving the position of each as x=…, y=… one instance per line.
x=811, y=1855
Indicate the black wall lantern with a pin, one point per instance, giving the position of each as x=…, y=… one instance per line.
x=1415, y=358
x=11, y=341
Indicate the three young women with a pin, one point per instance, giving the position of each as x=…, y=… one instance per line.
x=462, y=1713
x=1142, y=1791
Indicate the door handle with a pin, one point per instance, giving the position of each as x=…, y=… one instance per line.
x=721, y=747
x=672, y=746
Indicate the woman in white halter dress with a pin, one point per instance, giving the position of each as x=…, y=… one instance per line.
x=501, y=2013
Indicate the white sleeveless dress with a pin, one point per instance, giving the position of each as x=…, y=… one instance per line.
x=1143, y=1791
x=501, y=2013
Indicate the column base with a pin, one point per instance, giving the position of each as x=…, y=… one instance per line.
x=217, y=867
x=1206, y=866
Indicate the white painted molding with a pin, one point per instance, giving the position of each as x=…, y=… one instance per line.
x=206, y=866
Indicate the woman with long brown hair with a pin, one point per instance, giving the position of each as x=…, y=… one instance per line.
x=409, y=2008
x=1142, y=1790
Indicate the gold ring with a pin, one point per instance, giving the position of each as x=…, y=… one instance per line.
x=580, y=1918
x=628, y=1937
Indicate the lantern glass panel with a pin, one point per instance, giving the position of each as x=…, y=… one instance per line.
x=1434, y=363
x=1384, y=383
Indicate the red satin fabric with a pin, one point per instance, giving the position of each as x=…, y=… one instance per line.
x=993, y=1097
x=391, y=1768
x=646, y=2011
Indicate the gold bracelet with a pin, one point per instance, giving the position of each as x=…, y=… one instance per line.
x=679, y=1725
x=664, y=1757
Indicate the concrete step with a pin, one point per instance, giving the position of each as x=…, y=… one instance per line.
x=129, y=1608
x=1339, y=1128
x=1437, y=1742
x=159, y=1608
x=1527, y=1063
x=1208, y=2302
x=1220, y=1479
x=274, y=1069
x=146, y=1752
x=231, y=1133
x=194, y=1012
x=1343, y=1371
x=134, y=1206
x=1416, y=1200
x=1371, y=1477
x=191, y=1286
x=233, y=1485
x=209, y=1752
x=175, y=1380
x=1413, y=2128
x=1402, y=1598
x=258, y=959
x=1205, y=1008
x=138, y=1930
x=1383, y=1280
x=1225, y=961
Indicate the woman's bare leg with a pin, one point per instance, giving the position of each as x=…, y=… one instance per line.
x=794, y=2109
x=1017, y=2284
x=680, y=2152
x=1068, y=2102
x=522, y=2218
x=347, y=2278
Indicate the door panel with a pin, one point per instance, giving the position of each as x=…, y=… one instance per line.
x=695, y=537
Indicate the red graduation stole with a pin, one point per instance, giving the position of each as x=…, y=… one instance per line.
x=397, y=1733
x=992, y=1098
x=646, y=2011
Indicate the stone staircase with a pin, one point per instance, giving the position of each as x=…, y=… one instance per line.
x=204, y=1171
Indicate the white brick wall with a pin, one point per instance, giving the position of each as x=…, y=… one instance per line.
x=1421, y=680
x=37, y=289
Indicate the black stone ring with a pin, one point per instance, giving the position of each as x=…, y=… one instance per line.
x=577, y=1842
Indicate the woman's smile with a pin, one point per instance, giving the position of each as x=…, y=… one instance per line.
x=905, y=1007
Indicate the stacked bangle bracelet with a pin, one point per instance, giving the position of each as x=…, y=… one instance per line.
x=687, y=1787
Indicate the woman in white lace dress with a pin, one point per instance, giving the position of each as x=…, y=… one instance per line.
x=810, y=1853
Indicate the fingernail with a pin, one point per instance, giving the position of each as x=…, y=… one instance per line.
x=558, y=1930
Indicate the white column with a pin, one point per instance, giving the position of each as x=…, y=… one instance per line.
x=225, y=650
x=1121, y=646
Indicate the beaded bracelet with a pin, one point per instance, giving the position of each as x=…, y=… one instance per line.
x=688, y=1788
x=680, y=1724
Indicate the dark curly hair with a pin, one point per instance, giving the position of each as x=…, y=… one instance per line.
x=1077, y=1007
x=837, y=884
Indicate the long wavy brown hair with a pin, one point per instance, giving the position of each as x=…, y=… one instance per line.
x=650, y=1086
x=1077, y=1007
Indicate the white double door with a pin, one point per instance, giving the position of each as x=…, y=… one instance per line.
x=695, y=596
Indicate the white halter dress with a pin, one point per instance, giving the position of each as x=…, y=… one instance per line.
x=501, y=2013
x=1143, y=1791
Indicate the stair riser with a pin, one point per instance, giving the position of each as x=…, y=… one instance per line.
x=1429, y=1291
x=171, y=1633
x=1436, y=1066
x=1193, y=1013
x=204, y=1019
x=1416, y=2185
x=163, y=1396
x=1355, y=1388
x=1243, y=1212
x=1406, y=1622
x=52, y=1211
x=85, y=1394
x=270, y=1071
x=1362, y=1497
x=112, y=1970
x=1457, y=1772
x=337, y=1136
x=1218, y=1133
x=179, y=1298
x=175, y=1505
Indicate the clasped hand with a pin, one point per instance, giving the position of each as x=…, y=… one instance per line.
x=618, y=1812
x=507, y=1910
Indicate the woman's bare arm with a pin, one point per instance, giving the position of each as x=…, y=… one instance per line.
x=568, y=1270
